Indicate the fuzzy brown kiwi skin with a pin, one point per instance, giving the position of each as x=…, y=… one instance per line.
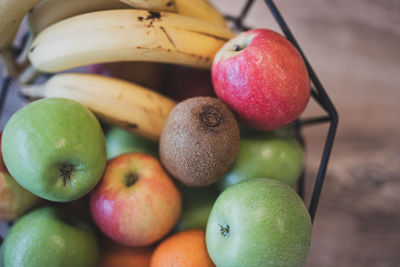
x=199, y=141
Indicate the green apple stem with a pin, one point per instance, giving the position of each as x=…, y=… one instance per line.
x=65, y=172
x=224, y=230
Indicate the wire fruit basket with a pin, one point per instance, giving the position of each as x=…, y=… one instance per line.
x=318, y=94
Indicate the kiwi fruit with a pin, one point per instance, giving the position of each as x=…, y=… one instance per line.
x=199, y=141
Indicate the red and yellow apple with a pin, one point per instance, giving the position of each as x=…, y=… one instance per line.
x=3, y=167
x=14, y=199
x=136, y=203
x=262, y=77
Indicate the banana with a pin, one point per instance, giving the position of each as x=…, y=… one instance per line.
x=11, y=14
x=120, y=103
x=127, y=35
x=201, y=9
x=48, y=12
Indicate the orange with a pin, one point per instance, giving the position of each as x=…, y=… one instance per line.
x=183, y=249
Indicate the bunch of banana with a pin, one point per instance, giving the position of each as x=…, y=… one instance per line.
x=47, y=12
x=127, y=35
x=120, y=103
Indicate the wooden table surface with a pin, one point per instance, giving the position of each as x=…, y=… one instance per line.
x=354, y=47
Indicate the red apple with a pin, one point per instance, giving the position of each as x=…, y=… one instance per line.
x=14, y=199
x=261, y=76
x=136, y=203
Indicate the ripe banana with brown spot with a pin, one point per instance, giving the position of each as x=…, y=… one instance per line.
x=127, y=35
x=48, y=12
x=120, y=103
x=11, y=14
x=201, y=9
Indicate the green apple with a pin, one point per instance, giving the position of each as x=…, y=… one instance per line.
x=258, y=222
x=120, y=141
x=50, y=236
x=276, y=155
x=55, y=148
x=197, y=203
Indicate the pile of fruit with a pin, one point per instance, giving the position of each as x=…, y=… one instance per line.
x=173, y=146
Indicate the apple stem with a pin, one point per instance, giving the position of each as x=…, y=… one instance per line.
x=131, y=178
x=224, y=230
x=65, y=172
x=237, y=47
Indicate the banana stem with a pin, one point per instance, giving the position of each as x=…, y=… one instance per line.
x=34, y=91
x=9, y=63
x=29, y=75
x=23, y=60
